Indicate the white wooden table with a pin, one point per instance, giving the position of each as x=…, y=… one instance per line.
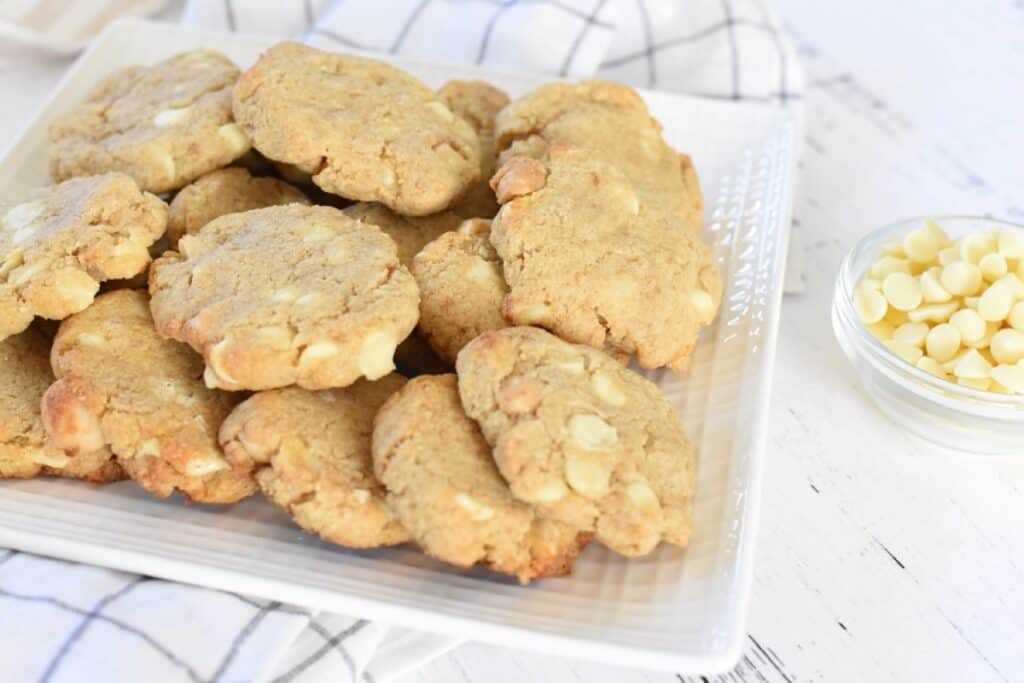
x=880, y=558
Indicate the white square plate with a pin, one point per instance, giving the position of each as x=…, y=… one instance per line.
x=679, y=609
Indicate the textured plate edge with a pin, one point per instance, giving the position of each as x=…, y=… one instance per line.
x=555, y=644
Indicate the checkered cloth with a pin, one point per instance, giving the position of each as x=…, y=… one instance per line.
x=67, y=622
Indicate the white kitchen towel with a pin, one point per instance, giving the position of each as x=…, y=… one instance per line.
x=67, y=622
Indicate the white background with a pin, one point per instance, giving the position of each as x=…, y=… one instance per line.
x=880, y=557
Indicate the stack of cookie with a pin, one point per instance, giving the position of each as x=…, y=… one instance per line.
x=331, y=222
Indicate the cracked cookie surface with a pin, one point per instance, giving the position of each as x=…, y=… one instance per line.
x=585, y=258
x=286, y=295
x=164, y=125
x=224, y=191
x=613, y=124
x=310, y=451
x=444, y=487
x=61, y=241
x=119, y=384
x=461, y=288
x=477, y=103
x=25, y=450
x=362, y=128
x=585, y=440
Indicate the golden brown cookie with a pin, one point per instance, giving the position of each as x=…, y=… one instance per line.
x=461, y=288
x=310, y=451
x=585, y=440
x=286, y=295
x=61, y=241
x=585, y=258
x=121, y=385
x=224, y=191
x=363, y=129
x=477, y=102
x=164, y=125
x=24, y=449
x=444, y=487
x=612, y=123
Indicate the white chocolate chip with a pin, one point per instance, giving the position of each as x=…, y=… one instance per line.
x=983, y=343
x=76, y=288
x=148, y=448
x=932, y=290
x=938, y=233
x=574, y=366
x=995, y=303
x=169, y=117
x=642, y=495
x=608, y=389
x=993, y=266
x=586, y=475
x=487, y=273
x=934, y=313
x=896, y=317
x=376, y=356
x=550, y=491
x=894, y=249
x=881, y=330
x=444, y=112
x=931, y=366
x=948, y=255
x=1011, y=243
x=361, y=496
x=1013, y=283
x=972, y=365
x=531, y=314
x=1010, y=376
x=215, y=364
x=921, y=246
x=477, y=511
x=911, y=333
x=887, y=265
x=909, y=353
x=316, y=353
x=592, y=432
x=961, y=278
x=979, y=383
x=284, y=295
x=869, y=304
x=200, y=467
x=236, y=138
x=971, y=325
x=902, y=291
x=51, y=458
x=1007, y=346
x=387, y=178
x=92, y=340
x=166, y=161
x=703, y=305
x=942, y=342
x=973, y=247
x=1016, y=317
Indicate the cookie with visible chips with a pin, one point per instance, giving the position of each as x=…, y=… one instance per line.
x=444, y=487
x=583, y=439
x=120, y=385
x=61, y=241
x=310, y=452
x=164, y=125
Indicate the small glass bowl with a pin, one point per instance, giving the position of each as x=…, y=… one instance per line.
x=935, y=409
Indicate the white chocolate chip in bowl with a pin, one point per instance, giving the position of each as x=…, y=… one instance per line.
x=970, y=290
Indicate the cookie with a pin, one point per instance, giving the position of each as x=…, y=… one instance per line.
x=461, y=288
x=286, y=295
x=611, y=122
x=477, y=103
x=362, y=128
x=444, y=487
x=164, y=125
x=310, y=451
x=586, y=258
x=586, y=441
x=24, y=449
x=410, y=233
x=121, y=385
x=224, y=191
x=60, y=242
